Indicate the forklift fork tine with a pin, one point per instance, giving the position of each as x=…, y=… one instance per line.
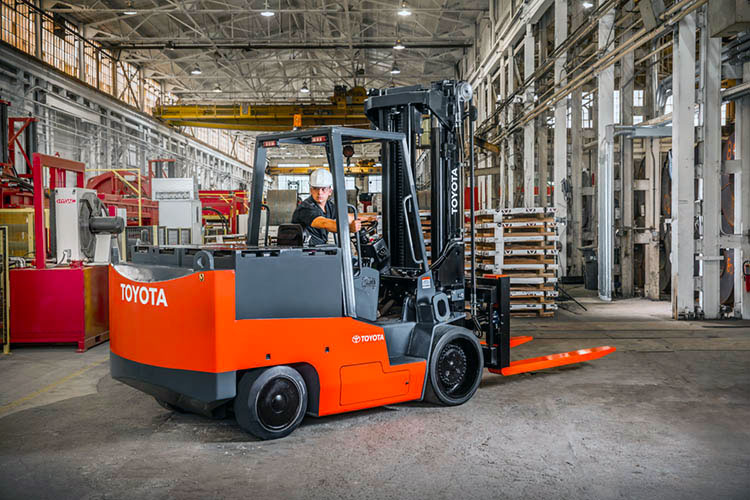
x=553, y=360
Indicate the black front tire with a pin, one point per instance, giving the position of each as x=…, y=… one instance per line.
x=455, y=369
x=271, y=402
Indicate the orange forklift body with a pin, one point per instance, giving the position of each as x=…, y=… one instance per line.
x=193, y=329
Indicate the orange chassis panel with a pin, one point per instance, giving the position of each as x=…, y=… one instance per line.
x=194, y=328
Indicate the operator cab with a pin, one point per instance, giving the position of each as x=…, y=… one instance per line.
x=365, y=256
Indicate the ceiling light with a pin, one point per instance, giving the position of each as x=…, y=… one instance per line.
x=266, y=11
x=399, y=45
x=404, y=11
x=217, y=89
x=304, y=89
x=395, y=70
x=196, y=70
x=129, y=11
x=587, y=5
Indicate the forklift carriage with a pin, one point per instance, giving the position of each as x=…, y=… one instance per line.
x=272, y=333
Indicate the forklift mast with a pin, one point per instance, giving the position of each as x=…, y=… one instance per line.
x=403, y=109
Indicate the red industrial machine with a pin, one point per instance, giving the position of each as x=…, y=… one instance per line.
x=129, y=190
x=15, y=189
x=223, y=207
x=57, y=303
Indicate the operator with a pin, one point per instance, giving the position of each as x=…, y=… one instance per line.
x=317, y=213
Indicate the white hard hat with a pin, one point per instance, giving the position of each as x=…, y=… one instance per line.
x=321, y=178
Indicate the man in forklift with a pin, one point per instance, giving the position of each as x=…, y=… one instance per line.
x=317, y=213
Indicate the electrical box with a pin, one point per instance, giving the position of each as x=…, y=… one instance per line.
x=181, y=215
x=728, y=17
x=180, y=188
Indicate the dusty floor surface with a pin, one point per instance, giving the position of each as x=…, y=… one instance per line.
x=665, y=417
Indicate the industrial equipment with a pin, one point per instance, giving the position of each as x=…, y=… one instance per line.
x=223, y=208
x=344, y=109
x=180, y=211
x=128, y=189
x=64, y=302
x=83, y=230
x=280, y=332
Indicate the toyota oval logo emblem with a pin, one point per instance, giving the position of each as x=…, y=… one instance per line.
x=356, y=339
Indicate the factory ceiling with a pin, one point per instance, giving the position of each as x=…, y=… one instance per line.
x=271, y=51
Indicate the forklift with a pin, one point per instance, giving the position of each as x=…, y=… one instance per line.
x=272, y=333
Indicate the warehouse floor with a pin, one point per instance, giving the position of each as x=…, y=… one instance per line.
x=666, y=416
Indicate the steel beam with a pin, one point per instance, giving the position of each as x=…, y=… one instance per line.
x=683, y=169
x=605, y=174
x=528, y=129
x=575, y=220
x=560, y=140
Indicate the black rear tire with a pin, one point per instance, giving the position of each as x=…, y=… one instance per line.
x=271, y=402
x=455, y=369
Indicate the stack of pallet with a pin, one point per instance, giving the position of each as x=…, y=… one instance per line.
x=520, y=243
x=425, y=220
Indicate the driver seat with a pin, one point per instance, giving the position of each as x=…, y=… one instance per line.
x=291, y=235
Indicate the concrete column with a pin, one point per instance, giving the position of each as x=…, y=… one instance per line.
x=528, y=129
x=652, y=149
x=605, y=173
x=683, y=168
x=741, y=200
x=575, y=224
x=560, y=155
x=542, y=136
x=710, y=67
x=627, y=68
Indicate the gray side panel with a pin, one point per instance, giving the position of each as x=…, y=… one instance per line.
x=397, y=337
x=201, y=386
x=304, y=283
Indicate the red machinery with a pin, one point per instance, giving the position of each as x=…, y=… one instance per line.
x=15, y=189
x=61, y=303
x=223, y=204
x=121, y=189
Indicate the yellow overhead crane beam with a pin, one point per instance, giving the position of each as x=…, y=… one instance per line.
x=363, y=167
x=346, y=109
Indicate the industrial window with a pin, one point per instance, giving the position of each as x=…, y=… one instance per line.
x=637, y=98
x=152, y=91
x=350, y=183
x=59, y=44
x=587, y=107
x=374, y=183
x=617, y=106
x=105, y=73
x=18, y=26
x=127, y=83
x=89, y=61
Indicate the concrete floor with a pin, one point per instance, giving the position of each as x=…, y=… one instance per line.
x=666, y=416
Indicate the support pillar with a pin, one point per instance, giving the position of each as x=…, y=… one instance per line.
x=560, y=155
x=652, y=149
x=627, y=69
x=512, y=160
x=528, y=129
x=711, y=207
x=575, y=220
x=742, y=200
x=605, y=172
x=683, y=169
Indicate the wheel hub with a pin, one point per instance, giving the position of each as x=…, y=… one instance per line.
x=278, y=403
x=452, y=366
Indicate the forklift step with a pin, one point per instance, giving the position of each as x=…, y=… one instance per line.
x=402, y=360
x=553, y=360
